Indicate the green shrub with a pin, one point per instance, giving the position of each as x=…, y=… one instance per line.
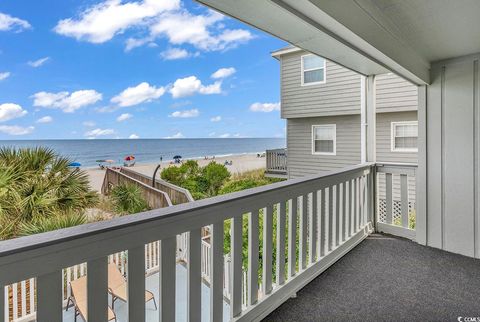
x=42, y=225
x=128, y=199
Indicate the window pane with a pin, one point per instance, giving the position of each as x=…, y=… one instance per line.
x=324, y=133
x=312, y=61
x=406, y=130
x=406, y=143
x=325, y=146
x=313, y=76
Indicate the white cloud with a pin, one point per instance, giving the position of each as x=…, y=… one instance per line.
x=89, y=123
x=65, y=101
x=225, y=135
x=152, y=19
x=175, y=53
x=223, y=73
x=216, y=119
x=99, y=132
x=16, y=130
x=38, y=62
x=8, y=22
x=265, y=107
x=186, y=114
x=177, y=135
x=192, y=85
x=133, y=136
x=4, y=75
x=101, y=22
x=10, y=111
x=201, y=31
x=141, y=93
x=45, y=119
x=124, y=117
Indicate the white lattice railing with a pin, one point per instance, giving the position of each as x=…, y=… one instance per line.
x=327, y=214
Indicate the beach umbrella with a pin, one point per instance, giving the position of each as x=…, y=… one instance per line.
x=100, y=161
x=74, y=164
x=129, y=158
x=177, y=157
x=109, y=161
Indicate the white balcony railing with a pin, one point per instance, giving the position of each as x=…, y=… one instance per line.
x=319, y=218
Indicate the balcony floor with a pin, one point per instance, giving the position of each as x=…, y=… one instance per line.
x=389, y=279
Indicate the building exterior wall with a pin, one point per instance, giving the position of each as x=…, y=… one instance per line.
x=394, y=94
x=384, y=138
x=339, y=95
x=451, y=123
x=302, y=162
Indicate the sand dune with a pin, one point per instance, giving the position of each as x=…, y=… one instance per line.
x=241, y=163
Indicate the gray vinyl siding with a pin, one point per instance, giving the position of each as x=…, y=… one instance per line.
x=302, y=162
x=339, y=95
x=394, y=94
x=384, y=135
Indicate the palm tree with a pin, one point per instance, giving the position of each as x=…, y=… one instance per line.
x=38, y=188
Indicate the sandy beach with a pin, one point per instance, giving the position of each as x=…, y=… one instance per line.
x=241, y=163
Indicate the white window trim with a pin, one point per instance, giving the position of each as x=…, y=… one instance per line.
x=392, y=137
x=302, y=71
x=334, y=126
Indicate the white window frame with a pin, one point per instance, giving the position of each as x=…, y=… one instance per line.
x=329, y=126
x=392, y=137
x=302, y=70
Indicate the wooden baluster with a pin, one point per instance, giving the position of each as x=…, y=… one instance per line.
x=194, y=279
x=267, y=249
x=388, y=183
x=3, y=303
x=313, y=214
x=168, y=249
x=49, y=297
x=292, y=237
x=216, y=285
x=97, y=289
x=253, y=243
x=303, y=232
x=281, y=218
x=236, y=267
x=323, y=222
x=136, y=284
x=404, y=199
x=337, y=214
x=330, y=218
x=344, y=211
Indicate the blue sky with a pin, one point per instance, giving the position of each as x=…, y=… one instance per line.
x=74, y=69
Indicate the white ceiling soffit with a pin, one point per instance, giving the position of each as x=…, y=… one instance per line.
x=306, y=24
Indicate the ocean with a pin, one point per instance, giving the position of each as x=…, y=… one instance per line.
x=149, y=150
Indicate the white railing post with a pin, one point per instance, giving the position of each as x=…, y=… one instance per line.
x=236, y=270
x=267, y=249
x=97, y=289
x=167, y=279
x=253, y=241
x=292, y=237
x=216, y=280
x=136, y=284
x=194, y=280
x=280, y=265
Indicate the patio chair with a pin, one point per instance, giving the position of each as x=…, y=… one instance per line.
x=117, y=286
x=78, y=298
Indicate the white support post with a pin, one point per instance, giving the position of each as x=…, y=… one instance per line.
x=421, y=174
x=368, y=118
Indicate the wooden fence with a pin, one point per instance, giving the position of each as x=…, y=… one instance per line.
x=154, y=197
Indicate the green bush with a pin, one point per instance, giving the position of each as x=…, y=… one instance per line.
x=37, y=184
x=128, y=199
x=42, y=225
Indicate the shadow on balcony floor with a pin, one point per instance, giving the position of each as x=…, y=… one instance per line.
x=389, y=279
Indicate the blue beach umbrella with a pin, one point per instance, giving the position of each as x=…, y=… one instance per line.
x=74, y=165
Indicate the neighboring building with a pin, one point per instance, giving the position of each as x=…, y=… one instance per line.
x=321, y=102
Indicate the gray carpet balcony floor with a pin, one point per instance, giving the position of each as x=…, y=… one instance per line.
x=386, y=278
